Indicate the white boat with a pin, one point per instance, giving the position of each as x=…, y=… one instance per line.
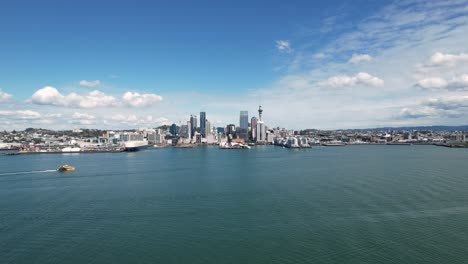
x=70, y=149
x=135, y=145
x=233, y=145
x=334, y=143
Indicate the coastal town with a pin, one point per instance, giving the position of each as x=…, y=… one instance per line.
x=246, y=134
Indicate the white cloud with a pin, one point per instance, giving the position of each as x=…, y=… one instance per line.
x=449, y=102
x=357, y=58
x=162, y=121
x=4, y=97
x=431, y=83
x=133, y=120
x=319, y=55
x=20, y=114
x=441, y=59
x=140, y=100
x=51, y=96
x=361, y=78
x=90, y=83
x=417, y=112
x=437, y=83
x=284, y=46
x=48, y=95
x=78, y=115
x=449, y=106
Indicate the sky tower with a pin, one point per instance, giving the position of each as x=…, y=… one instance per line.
x=260, y=111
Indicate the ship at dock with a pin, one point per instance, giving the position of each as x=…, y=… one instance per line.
x=135, y=145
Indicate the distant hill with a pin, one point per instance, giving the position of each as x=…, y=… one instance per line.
x=419, y=128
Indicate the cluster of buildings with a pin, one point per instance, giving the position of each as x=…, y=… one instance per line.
x=199, y=130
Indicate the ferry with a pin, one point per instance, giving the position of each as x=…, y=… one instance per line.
x=65, y=167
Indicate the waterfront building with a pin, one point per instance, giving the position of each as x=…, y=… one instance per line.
x=184, y=131
x=209, y=128
x=203, y=124
x=253, y=128
x=244, y=120
x=243, y=129
x=230, y=129
x=174, y=130
x=131, y=136
x=260, y=132
x=193, y=124
x=189, y=130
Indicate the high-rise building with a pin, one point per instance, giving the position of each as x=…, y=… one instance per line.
x=189, y=130
x=183, y=131
x=203, y=124
x=208, y=128
x=243, y=129
x=230, y=129
x=261, y=132
x=253, y=127
x=244, y=120
x=174, y=130
x=193, y=124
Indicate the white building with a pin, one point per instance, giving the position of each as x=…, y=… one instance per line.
x=261, y=132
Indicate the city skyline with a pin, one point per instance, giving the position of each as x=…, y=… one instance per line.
x=332, y=65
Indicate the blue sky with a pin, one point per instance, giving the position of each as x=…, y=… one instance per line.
x=312, y=64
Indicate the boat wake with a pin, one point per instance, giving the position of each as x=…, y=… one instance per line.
x=25, y=172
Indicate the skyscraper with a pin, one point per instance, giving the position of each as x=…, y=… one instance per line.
x=193, y=124
x=244, y=120
x=203, y=124
x=208, y=128
x=244, y=125
x=253, y=127
x=261, y=132
x=174, y=130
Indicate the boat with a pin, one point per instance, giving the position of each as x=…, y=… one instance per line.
x=334, y=143
x=233, y=145
x=135, y=145
x=65, y=167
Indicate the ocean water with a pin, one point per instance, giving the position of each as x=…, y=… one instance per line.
x=353, y=204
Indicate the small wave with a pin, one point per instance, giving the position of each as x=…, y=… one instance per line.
x=25, y=172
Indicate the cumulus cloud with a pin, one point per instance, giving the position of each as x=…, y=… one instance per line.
x=132, y=119
x=443, y=107
x=361, y=78
x=48, y=95
x=448, y=102
x=21, y=114
x=441, y=59
x=4, y=97
x=140, y=100
x=417, y=112
x=357, y=58
x=162, y=121
x=51, y=96
x=284, y=46
x=78, y=115
x=436, y=83
x=90, y=83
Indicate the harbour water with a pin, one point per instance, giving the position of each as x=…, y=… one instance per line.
x=353, y=204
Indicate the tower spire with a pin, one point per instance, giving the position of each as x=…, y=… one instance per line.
x=260, y=111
